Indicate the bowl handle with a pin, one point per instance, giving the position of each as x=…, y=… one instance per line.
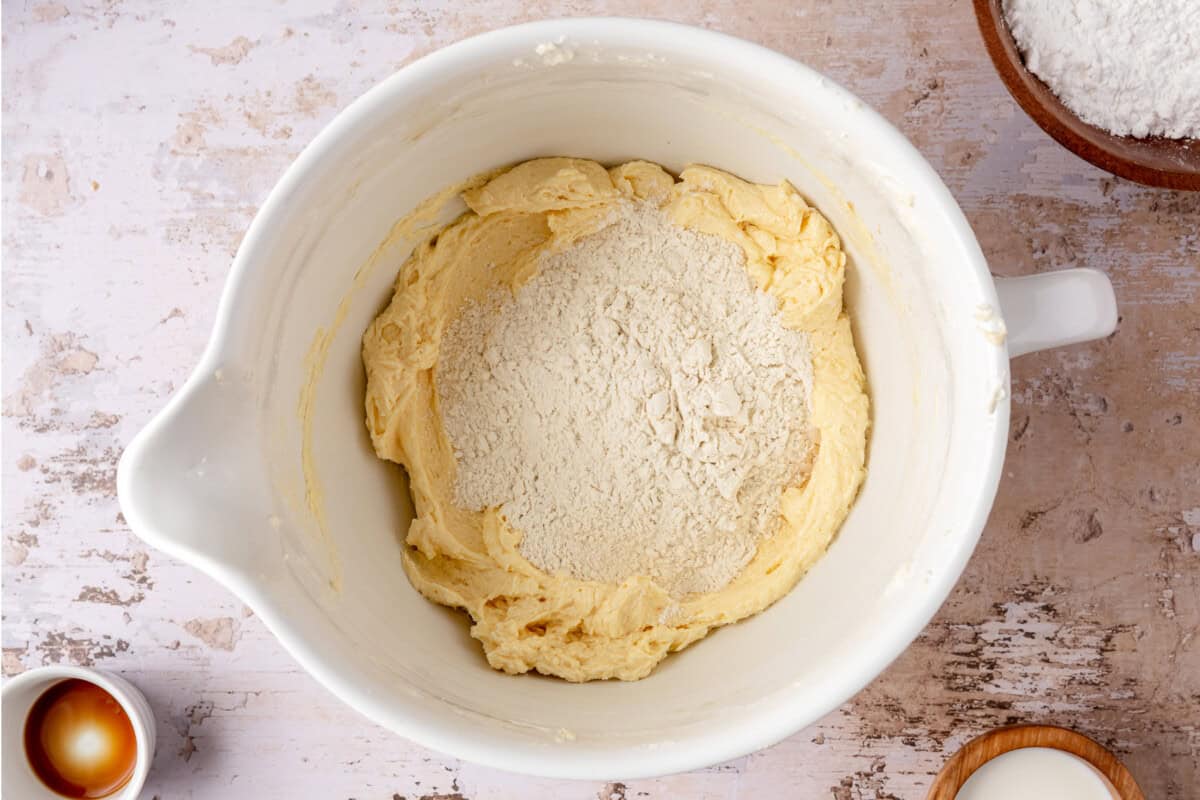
x=188, y=484
x=1056, y=309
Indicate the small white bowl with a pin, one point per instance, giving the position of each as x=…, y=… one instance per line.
x=22, y=691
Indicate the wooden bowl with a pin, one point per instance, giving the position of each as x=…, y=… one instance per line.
x=994, y=743
x=1154, y=161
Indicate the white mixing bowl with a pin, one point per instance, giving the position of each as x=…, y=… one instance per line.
x=218, y=478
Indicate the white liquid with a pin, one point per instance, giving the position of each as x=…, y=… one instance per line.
x=1036, y=773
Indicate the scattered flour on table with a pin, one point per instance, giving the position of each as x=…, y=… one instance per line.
x=1131, y=67
x=637, y=408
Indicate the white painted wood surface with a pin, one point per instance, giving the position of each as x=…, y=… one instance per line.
x=139, y=139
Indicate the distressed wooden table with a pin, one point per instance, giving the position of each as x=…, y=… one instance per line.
x=139, y=140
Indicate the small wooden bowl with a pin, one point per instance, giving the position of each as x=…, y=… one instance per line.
x=1155, y=161
x=986, y=747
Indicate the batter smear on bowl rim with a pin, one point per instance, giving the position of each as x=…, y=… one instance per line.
x=630, y=409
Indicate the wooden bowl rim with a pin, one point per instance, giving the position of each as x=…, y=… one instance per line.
x=972, y=756
x=1048, y=112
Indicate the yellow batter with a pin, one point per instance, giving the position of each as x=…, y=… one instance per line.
x=583, y=630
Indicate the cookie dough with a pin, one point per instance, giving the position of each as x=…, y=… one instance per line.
x=557, y=625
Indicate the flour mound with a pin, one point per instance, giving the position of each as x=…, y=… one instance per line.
x=637, y=408
x=1131, y=67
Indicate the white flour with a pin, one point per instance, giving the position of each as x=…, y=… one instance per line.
x=636, y=409
x=1131, y=67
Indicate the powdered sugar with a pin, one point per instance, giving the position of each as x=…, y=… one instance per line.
x=1131, y=67
x=636, y=409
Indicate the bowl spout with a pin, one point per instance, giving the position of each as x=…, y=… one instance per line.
x=188, y=484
